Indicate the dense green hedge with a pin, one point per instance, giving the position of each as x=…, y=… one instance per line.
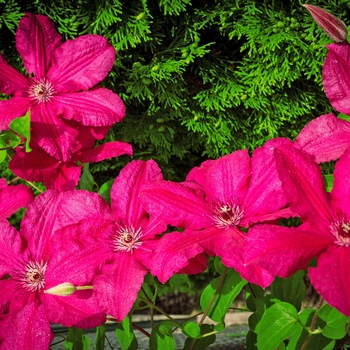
x=200, y=78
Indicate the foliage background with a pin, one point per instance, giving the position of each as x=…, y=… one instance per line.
x=200, y=78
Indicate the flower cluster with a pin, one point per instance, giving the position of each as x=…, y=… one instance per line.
x=77, y=258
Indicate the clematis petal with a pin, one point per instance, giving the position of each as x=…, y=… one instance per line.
x=125, y=200
x=36, y=39
x=11, y=109
x=236, y=168
x=11, y=81
x=117, y=287
x=106, y=151
x=63, y=178
x=303, y=185
x=198, y=174
x=331, y=278
x=51, y=133
x=30, y=329
x=336, y=77
x=326, y=138
x=195, y=265
x=341, y=185
x=283, y=250
x=81, y=63
x=177, y=204
x=97, y=107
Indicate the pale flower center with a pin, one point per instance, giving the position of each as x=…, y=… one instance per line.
x=127, y=239
x=41, y=91
x=32, y=277
x=226, y=215
x=341, y=232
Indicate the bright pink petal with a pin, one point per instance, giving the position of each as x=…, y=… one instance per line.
x=88, y=136
x=195, y=265
x=265, y=196
x=30, y=329
x=51, y=133
x=325, y=137
x=36, y=39
x=125, y=192
x=227, y=179
x=282, y=250
x=81, y=63
x=341, y=185
x=11, y=81
x=336, y=77
x=117, y=287
x=176, y=204
x=14, y=197
x=198, y=174
x=331, y=278
x=303, y=185
x=97, y=107
x=13, y=108
x=175, y=251
x=105, y=151
x=63, y=178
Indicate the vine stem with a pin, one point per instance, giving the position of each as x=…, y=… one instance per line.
x=313, y=324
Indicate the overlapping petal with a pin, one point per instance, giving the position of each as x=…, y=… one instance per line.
x=11, y=109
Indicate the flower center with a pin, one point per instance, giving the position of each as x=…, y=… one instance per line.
x=341, y=232
x=226, y=215
x=32, y=277
x=127, y=239
x=41, y=91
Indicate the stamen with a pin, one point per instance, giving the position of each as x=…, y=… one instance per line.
x=32, y=277
x=226, y=214
x=341, y=231
x=126, y=239
x=41, y=91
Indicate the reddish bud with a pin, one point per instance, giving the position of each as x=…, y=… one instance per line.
x=331, y=25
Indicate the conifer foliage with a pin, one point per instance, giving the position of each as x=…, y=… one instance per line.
x=199, y=78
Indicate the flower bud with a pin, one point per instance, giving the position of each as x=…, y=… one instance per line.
x=331, y=25
x=62, y=289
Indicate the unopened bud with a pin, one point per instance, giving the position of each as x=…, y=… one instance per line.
x=62, y=289
x=331, y=25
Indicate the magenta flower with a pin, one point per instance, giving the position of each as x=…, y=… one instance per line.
x=12, y=198
x=324, y=234
x=38, y=258
x=62, y=175
x=59, y=76
x=217, y=200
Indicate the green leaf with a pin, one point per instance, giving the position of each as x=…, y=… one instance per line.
x=277, y=324
x=231, y=287
x=100, y=337
x=180, y=282
x=191, y=329
x=344, y=117
x=218, y=265
x=255, y=317
x=251, y=340
x=8, y=138
x=125, y=334
x=162, y=337
x=76, y=340
x=2, y=155
x=86, y=181
x=105, y=190
x=21, y=126
x=201, y=343
x=250, y=297
x=329, y=180
x=290, y=290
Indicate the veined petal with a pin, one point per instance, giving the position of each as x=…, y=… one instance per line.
x=117, y=287
x=30, y=329
x=176, y=204
x=228, y=178
x=303, y=185
x=63, y=178
x=195, y=265
x=331, y=278
x=97, y=107
x=81, y=63
x=105, y=151
x=341, y=185
x=326, y=137
x=36, y=39
x=125, y=192
x=336, y=77
x=284, y=250
x=51, y=133
x=13, y=108
x=198, y=174
x=11, y=81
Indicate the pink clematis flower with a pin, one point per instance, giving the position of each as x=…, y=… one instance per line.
x=60, y=175
x=12, y=198
x=127, y=237
x=59, y=76
x=217, y=200
x=324, y=234
x=38, y=258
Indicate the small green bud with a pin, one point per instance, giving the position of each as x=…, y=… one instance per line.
x=63, y=289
